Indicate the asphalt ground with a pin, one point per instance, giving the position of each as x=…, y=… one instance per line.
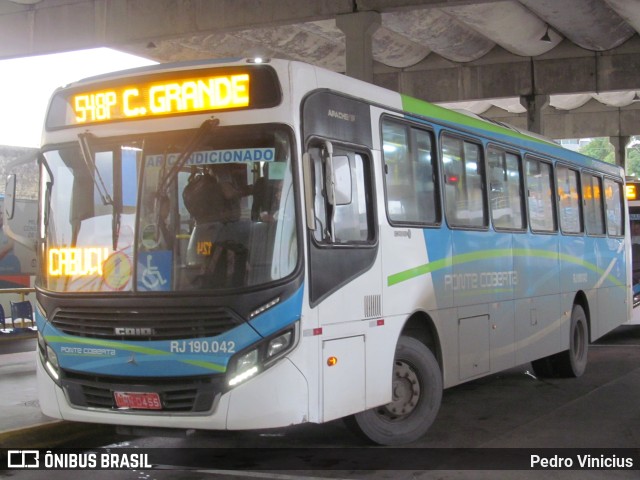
x=508, y=410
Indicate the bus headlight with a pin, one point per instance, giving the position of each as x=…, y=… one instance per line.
x=42, y=347
x=52, y=358
x=246, y=367
x=49, y=359
x=249, y=363
x=279, y=344
x=52, y=365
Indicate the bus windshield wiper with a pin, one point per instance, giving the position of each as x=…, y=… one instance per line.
x=49, y=186
x=207, y=127
x=98, y=182
x=87, y=155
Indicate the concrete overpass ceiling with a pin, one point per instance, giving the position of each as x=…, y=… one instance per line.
x=559, y=102
x=436, y=31
x=508, y=24
x=494, y=52
x=411, y=30
x=627, y=9
x=461, y=32
x=590, y=24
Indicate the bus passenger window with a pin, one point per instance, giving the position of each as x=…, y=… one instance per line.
x=594, y=212
x=540, y=197
x=507, y=209
x=464, y=180
x=613, y=196
x=409, y=165
x=569, y=195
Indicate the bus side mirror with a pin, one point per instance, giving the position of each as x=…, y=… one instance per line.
x=9, y=196
x=308, y=191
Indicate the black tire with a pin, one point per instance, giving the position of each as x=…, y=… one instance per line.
x=571, y=362
x=544, y=368
x=417, y=392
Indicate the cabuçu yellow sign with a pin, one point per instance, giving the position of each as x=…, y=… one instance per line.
x=76, y=261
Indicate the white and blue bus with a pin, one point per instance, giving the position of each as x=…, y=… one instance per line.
x=633, y=201
x=244, y=245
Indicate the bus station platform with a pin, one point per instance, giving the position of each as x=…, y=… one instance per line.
x=22, y=424
x=21, y=413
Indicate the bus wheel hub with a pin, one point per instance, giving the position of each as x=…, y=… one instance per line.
x=405, y=390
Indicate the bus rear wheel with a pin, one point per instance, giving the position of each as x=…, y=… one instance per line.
x=417, y=394
x=571, y=362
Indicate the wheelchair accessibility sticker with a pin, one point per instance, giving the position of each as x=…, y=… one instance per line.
x=154, y=271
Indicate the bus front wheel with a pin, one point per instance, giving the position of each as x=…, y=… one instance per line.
x=416, y=397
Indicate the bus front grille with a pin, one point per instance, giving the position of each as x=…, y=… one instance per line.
x=146, y=323
x=177, y=395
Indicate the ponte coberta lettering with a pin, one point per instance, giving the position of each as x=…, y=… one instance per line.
x=481, y=280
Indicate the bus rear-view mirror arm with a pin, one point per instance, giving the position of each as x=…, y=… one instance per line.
x=308, y=191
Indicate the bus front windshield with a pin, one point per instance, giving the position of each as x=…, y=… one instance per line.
x=177, y=211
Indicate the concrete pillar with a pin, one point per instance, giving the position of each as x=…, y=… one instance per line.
x=359, y=28
x=620, y=148
x=534, y=105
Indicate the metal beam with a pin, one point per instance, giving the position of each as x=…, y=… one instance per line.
x=591, y=120
x=62, y=25
x=358, y=29
x=535, y=117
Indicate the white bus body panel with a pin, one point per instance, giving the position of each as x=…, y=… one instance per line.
x=245, y=407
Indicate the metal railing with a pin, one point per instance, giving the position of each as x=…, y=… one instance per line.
x=23, y=292
x=19, y=326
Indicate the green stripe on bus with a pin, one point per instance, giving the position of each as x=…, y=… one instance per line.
x=105, y=343
x=426, y=109
x=487, y=254
x=208, y=365
x=133, y=348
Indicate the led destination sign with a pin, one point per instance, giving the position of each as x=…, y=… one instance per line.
x=189, y=95
x=76, y=261
x=165, y=93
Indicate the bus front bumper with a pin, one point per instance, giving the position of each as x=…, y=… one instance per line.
x=277, y=397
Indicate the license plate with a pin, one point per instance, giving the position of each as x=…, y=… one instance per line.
x=138, y=400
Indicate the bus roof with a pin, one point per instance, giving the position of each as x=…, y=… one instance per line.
x=423, y=110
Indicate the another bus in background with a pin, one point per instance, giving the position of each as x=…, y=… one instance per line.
x=17, y=261
x=633, y=200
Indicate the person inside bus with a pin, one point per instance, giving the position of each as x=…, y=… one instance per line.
x=231, y=192
x=214, y=195
x=266, y=197
x=213, y=198
x=166, y=235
